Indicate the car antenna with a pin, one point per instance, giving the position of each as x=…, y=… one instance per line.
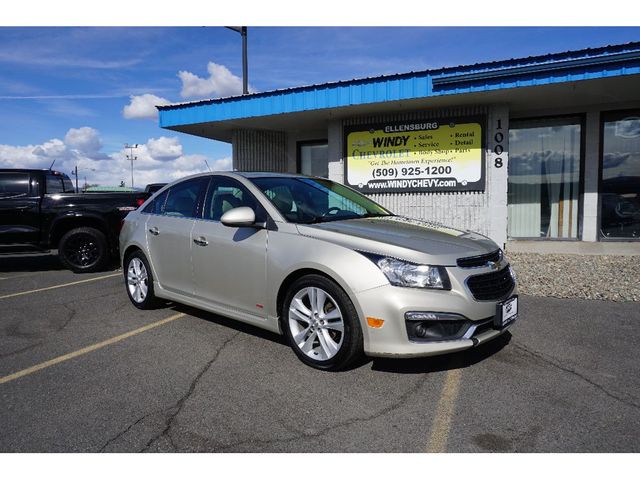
x=51, y=166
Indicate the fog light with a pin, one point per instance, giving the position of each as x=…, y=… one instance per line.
x=435, y=326
x=421, y=330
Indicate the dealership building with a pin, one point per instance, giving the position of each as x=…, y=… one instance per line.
x=539, y=153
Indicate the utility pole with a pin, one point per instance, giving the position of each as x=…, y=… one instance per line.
x=245, y=68
x=131, y=157
x=76, y=174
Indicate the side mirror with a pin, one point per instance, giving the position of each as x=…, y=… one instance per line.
x=239, y=217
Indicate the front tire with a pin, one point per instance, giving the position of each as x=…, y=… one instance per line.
x=139, y=282
x=83, y=250
x=321, y=324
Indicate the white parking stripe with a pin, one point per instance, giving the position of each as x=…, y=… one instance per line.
x=90, y=348
x=59, y=286
x=444, y=413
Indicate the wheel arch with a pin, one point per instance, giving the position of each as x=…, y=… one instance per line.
x=68, y=223
x=129, y=250
x=310, y=270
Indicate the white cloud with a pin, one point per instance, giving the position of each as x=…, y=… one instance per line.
x=220, y=83
x=52, y=149
x=143, y=106
x=84, y=139
x=158, y=160
x=164, y=148
x=222, y=164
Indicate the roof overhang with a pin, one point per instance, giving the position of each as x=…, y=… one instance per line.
x=608, y=75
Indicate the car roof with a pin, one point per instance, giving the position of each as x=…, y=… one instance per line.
x=270, y=175
x=32, y=170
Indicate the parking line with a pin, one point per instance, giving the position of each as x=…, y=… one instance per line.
x=59, y=286
x=444, y=412
x=90, y=348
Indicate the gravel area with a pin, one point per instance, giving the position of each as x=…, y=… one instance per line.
x=594, y=277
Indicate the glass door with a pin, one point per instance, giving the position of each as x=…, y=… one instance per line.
x=620, y=179
x=544, y=178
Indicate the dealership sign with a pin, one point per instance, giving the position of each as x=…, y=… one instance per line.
x=416, y=156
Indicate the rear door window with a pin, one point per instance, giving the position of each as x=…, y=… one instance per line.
x=14, y=185
x=55, y=184
x=156, y=206
x=182, y=199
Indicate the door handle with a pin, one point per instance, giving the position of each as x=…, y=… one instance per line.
x=154, y=231
x=201, y=241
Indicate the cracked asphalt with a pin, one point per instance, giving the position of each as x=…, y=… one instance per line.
x=565, y=380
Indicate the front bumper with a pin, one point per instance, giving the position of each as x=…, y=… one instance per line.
x=392, y=303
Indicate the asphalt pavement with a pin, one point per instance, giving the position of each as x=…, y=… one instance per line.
x=82, y=370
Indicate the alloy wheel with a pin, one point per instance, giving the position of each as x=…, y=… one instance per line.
x=137, y=280
x=82, y=250
x=316, y=323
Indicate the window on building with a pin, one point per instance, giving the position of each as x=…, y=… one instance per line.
x=313, y=158
x=620, y=181
x=544, y=178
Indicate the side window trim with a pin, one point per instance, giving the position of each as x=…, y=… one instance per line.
x=210, y=186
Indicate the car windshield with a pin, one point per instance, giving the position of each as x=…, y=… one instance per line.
x=316, y=200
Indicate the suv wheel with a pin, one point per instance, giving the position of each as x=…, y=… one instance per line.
x=322, y=324
x=83, y=250
x=139, y=282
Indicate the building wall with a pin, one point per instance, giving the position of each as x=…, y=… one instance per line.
x=484, y=212
x=260, y=151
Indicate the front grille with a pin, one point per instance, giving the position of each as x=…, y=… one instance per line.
x=480, y=260
x=491, y=286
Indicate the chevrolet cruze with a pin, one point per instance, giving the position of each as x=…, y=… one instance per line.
x=339, y=275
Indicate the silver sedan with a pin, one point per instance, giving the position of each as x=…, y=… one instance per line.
x=339, y=275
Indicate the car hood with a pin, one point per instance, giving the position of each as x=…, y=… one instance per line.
x=407, y=238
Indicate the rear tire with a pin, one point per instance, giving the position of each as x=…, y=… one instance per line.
x=139, y=282
x=322, y=326
x=83, y=250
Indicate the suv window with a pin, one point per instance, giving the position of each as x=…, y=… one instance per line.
x=182, y=199
x=14, y=185
x=55, y=184
x=224, y=194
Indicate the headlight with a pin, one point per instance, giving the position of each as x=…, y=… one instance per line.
x=406, y=274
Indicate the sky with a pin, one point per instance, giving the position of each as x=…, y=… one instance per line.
x=77, y=95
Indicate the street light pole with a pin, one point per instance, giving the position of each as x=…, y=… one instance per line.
x=131, y=158
x=245, y=68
